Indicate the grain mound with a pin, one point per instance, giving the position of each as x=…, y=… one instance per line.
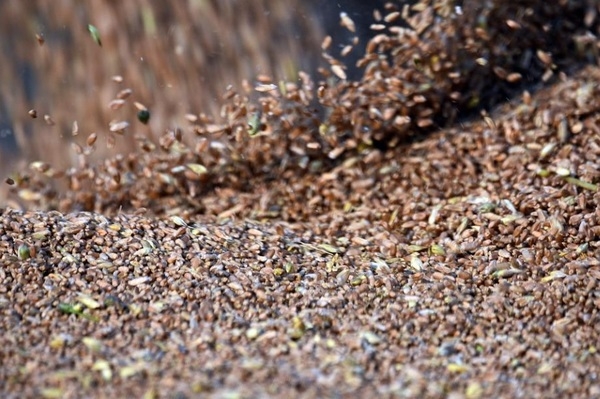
x=283, y=252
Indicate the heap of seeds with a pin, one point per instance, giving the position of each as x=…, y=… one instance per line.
x=447, y=62
x=276, y=252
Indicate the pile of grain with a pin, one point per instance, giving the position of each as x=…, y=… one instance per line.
x=282, y=251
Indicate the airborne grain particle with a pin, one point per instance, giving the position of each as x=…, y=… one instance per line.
x=118, y=127
x=326, y=43
x=391, y=17
x=40, y=39
x=545, y=57
x=513, y=77
x=95, y=34
x=91, y=139
x=49, y=121
x=338, y=71
x=116, y=104
x=76, y=148
x=263, y=88
x=513, y=24
x=347, y=22
x=192, y=118
x=32, y=113
x=346, y=50
x=124, y=94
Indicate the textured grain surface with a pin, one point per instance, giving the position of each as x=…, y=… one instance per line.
x=282, y=255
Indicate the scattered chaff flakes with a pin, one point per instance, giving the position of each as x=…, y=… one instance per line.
x=371, y=338
x=358, y=280
x=179, y=221
x=95, y=34
x=29, y=195
x=197, y=169
x=39, y=166
x=416, y=263
x=104, y=368
x=88, y=301
x=338, y=70
x=432, y=220
x=40, y=39
x=474, y=390
x=60, y=341
x=69, y=308
x=562, y=171
x=554, y=275
x=118, y=127
x=32, y=113
x=412, y=300
x=131, y=370
x=347, y=22
x=436, y=249
x=117, y=79
x=509, y=219
x=254, y=124
x=547, y=150
x=342, y=276
x=156, y=307
x=52, y=393
x=252, y=333
x=49, y=121
x=545, y=368
x=458, y=368
x=380, y=266
x=580, y=183
x=507, y=273
x=138, y=281
x=329, y=248
x=415, y=248
x=93, y=344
